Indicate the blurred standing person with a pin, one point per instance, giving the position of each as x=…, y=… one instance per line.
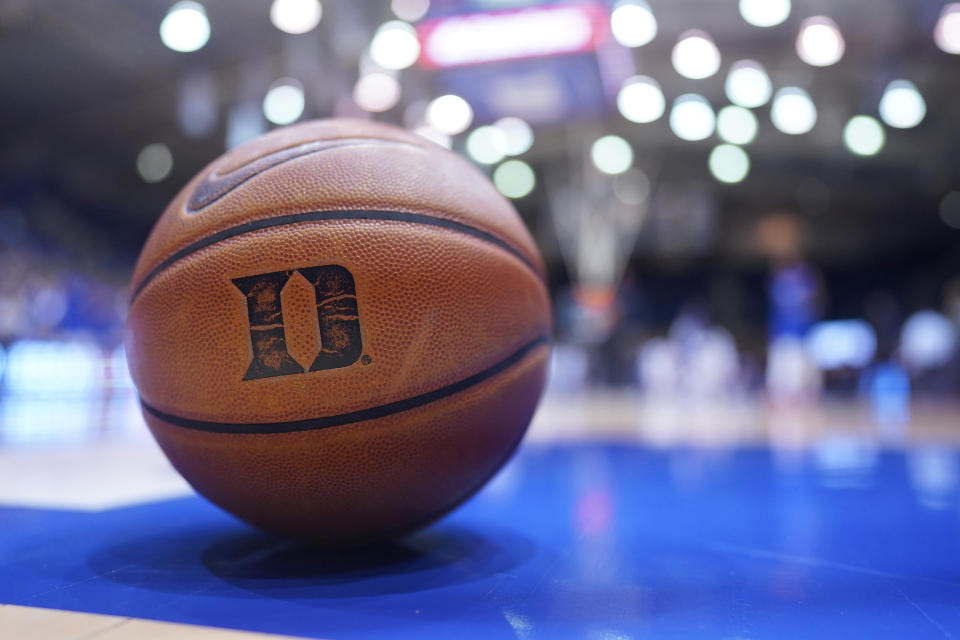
x=795, y=297
x=795, y=288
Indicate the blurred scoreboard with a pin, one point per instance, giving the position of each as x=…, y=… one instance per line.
x=547, y=64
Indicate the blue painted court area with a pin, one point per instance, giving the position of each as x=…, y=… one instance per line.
x=569, y=541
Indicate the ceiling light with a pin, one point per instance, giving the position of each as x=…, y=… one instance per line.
x=793, y=112
x=748, y=85
x=946, y=34
x=737, y=125
x=395, y=45
x=487, y=145
x=450, y=114
x=764, y=13
x=517, y=133
x=902, y=106
x=284, y=102
x=611, y=155
x=864, y=136
x=295, y=16
x=729, y=163
x=695, y=55
x=185, y=27
x=376, y=92
x=820, y=42
x=514, y=178
x=692, y=117
x=632, y=23
x=640, y=99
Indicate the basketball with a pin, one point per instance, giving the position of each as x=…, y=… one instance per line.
x=338, y=331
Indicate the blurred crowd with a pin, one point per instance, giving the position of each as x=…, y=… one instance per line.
x=61, y=328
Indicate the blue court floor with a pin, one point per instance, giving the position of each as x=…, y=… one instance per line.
x=582, y=538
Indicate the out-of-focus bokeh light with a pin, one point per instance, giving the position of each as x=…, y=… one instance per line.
x=640, y=99
x=296, y=16
x=376, y=92
x=947, y=32
x=410, y=10
x=765, y=13
x=632, y=23
x=692, y=117
x=611, y=155
x=450, y=114
x=820, y=42
x=748, y=84
x=435, y=135
x=185, y=27
x=632, y=186
x=841, y=343
x=487, y=145
x=517, y=134
x=729, y=163
x=284, y=102
x=793, y=112
x=737, y=125
x=514, y=178
x=695, y=55
x=864, y=135
x=902, y=106
x=927, y=340
x=950, y=209
x=395, y=45
x=154, y=162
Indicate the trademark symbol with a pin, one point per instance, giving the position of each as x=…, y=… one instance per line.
x=365, y=359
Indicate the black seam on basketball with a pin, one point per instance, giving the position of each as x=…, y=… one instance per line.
x=325, y=422
x=322, y=216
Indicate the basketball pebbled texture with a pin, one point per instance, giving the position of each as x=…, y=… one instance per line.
x=338, y=331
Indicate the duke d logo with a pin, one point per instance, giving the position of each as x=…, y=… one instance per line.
x=336, y=311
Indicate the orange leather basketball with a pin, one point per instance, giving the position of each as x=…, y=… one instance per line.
x=339, y=331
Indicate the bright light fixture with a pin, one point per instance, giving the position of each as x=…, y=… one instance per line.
x=946, y=34
x=902, y=106
x=514, y=178
x=450, y=114
x=764, y=13
x=748, y=84
x=729, y=163
x=395, y=45
x=737, y=125
x=640, y=99
x=518, y=135
x=487, y=145
x=793, y=112
x=284, y=101
x=295, y=16
x=611, y=155
x=864, y=136
x=692, y=117
x=185, y=27
x=695, y=55
x=632, y=23
x=820, y=42
x=376, y=92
